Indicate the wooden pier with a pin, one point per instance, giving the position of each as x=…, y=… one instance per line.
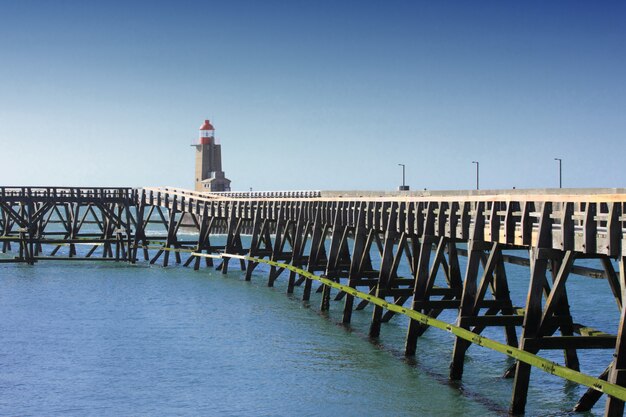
x=354, y=243
x=31, y=217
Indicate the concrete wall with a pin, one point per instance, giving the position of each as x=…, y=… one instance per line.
x=449, y=193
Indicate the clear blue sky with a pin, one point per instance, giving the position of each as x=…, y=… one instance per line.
x=314, y=95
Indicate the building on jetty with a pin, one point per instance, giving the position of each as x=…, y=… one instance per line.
x=209, y=174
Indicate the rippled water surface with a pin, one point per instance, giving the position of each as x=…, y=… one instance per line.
x=112, y=339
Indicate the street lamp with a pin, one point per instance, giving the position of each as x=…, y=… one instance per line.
x=403, y=187
x=477, y=173
x=560, y=171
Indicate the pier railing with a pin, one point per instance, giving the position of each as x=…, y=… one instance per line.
x=269, y=194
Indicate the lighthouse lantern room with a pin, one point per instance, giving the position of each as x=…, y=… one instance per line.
x=207, y=132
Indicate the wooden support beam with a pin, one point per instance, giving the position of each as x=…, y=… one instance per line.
x=532, y=318
x=361, y=260
x=617, y=374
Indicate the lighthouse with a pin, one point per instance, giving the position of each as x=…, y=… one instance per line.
x=209, y=174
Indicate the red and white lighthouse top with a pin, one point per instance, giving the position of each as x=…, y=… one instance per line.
x=207, y=134
x=207, y=126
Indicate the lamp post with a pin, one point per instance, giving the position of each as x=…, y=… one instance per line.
x=560, y=171
x=403, y=187
x=477, y=174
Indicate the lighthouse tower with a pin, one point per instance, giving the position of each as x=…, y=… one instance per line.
x=209, y=174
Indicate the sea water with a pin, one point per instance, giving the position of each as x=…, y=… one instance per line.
x=108, y=338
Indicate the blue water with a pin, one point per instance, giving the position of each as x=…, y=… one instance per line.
x=113, y=339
